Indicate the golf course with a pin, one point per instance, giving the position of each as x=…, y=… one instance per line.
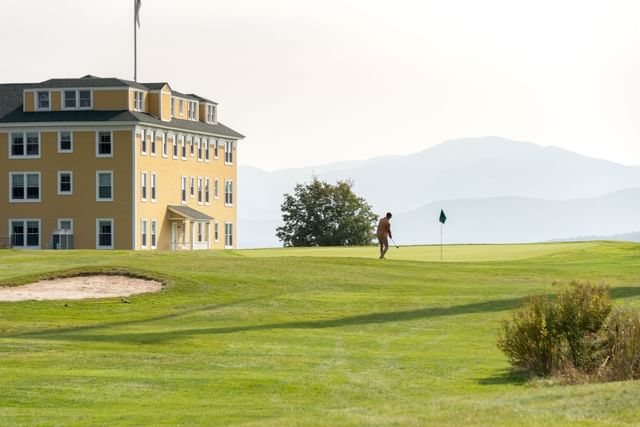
x=318, y=336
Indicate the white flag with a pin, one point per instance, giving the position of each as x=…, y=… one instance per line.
x=138, y=3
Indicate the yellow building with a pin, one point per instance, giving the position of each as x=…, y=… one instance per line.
x=105, y=163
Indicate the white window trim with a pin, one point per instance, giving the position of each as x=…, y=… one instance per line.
x=62, y=99
x=98, y=143
x=144, y=231
x=183, y=180
x=113, y=233
x=199, y=149
x=90, y=107
x=151, y=233
x=153, y=146
x=199, y=191
x=165, y=145
x=225, y=235
x=143, y=143
x=25, y=200
x=25, y=232
x=37, y=101
x=135, y=100
x=216, y=232
x=192, y=187
x=24, y=139
x=143, y=184
x=225, y=193
x=183, y=148
x=216, y=150
x=207, y=191
x=153, y=185
x=98, y=199
x=228, y=144
x=191, y=150
x=216, y=188
x=62, y=193
x=60, y=150
x=59, y=221
x=207, y=150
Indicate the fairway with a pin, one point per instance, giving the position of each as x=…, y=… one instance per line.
x=325, y=336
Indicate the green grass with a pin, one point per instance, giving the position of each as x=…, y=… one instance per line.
x=300, y=337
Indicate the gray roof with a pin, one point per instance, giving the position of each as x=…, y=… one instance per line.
x=189, y=213
x=11, y=111
x=155, y=86
x=184, y=95
x=88, y=81
x=199, y=98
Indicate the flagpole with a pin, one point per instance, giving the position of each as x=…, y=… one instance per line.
x=135, y=43
x=440, y=241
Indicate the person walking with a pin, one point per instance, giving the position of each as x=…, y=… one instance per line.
x=384, y=234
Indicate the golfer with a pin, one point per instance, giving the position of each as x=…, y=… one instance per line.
x=384, y=234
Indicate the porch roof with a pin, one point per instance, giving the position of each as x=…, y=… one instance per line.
x=185, y=212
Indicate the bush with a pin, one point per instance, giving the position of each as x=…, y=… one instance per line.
x=621, y=346
x=553, y=336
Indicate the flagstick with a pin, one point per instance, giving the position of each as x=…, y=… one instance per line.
x=440, y=241
x=135, y=44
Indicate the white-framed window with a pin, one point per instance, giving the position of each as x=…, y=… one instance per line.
x=143, y=233
x=211, y=113
x=228, y=234
x=70, y=99
x=25, y=233
x=193, y=107
x=199, y=190
x=192, y=187
x=65, y=141
x=154, y=187
x=104, y=233
x=216, y=149
x=104, y=144
x=154, y=234
x=85, y=99
x=228, y=192
x=191, y=146
x=24, y=145
x=65, y=224
x=24, y=187
x=153, y=143
x=183, y=148
x=138, y=100
x=206, y=190
x=143, y=142
x=165, y=149
x=143, y=186
x=43, y=101
x=65, y=183
x=216, y=232
x=183, y=189
x=200, y=236
x=174, y=140
x=173, y=107
x=228, y=152
x=207, y=150
x=199, y=145
x=181, y=107
x=216, y=188
x=104, y=186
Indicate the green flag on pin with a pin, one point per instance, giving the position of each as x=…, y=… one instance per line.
x=443, y=217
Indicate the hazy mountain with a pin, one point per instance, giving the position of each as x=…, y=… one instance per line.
x=473, y=168
x=626, y=237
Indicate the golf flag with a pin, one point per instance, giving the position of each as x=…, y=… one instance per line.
x=443, y=217
x=138, y=3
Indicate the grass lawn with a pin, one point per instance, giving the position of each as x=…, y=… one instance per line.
x=300, y=337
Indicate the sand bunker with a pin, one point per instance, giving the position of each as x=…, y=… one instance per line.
x=79, y=287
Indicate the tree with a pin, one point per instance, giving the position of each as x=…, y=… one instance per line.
x=321, y=214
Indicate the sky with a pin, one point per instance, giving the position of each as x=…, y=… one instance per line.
x=314, y=82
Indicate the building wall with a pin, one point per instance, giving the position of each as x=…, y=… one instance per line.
x=81, y=206
x=166, y=104
x=117, y=99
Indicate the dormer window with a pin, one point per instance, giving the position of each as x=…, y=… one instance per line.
x=70, y=99
x=85, y=98
x=192, y=105
x=211, y=114
x=43, y=100
x=173, y=107
x=74, y=99
x=138, y=100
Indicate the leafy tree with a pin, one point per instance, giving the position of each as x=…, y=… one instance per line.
x=321, y=214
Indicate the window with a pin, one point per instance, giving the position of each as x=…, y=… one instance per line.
x=25, y=233
x=206, y=150
x=192, y=106
x=206, y=190
x=215, y=150
x=192, y=186
x=104, y=186
x=70, y=100
x=43, y=100
x=199, y=190
x=153, y=143
x=25, y=145
x=164, y=145
x=143, y=142
x=183, y=189
x=154, y=191
x=143, y=186
x=211, y=114
x=199, y=232
x=104, y=146
x=216, y=188
x=138, y=100
x=199, y=150
x=65, y=142
x=25, y=186
x=65, y=224
x=191, y=146
x=228, y=192
x=65, y=183
x=184, y=148
x=228, y=152
x=175, y=146
x=104, y=233
x=181, y=107
x=216, y=234
x=85, y=98
x=154, y=227
x=228, y=234
x=173, y=107
x=143, y=233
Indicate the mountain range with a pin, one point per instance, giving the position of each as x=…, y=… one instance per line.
x=493, y=190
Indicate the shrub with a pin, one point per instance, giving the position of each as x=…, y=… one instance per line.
x=548, y=336
x=621, y=346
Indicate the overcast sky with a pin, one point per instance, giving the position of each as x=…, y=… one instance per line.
x=316, y=82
